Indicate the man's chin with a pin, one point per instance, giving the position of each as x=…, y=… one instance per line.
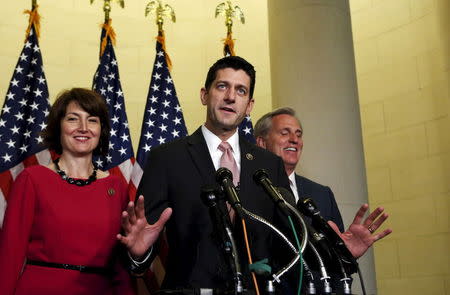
x=291, y=162
x=228, y=125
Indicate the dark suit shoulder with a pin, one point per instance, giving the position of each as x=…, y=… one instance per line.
x=247, y=146
x=323, y=197
x=175, y=144
x=308, y=183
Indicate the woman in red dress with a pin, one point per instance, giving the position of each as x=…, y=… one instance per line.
x=61, y=223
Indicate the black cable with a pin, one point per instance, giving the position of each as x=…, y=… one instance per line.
x=361, y=279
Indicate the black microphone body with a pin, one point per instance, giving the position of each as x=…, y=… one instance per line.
x=309, y=208
x=223, y=233
x=220, y=221
x=261, y=177
x=225, y=178
x=317, y=238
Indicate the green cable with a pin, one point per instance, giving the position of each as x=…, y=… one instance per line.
x=300, y=253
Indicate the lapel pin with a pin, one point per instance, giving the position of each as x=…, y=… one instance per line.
x=111, y=191
x=249, y=156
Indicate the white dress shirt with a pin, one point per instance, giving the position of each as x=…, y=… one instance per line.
x=293, y=185
x=213, y=141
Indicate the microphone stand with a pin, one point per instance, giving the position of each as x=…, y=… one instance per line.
x=346, y=288
x=310, y=288
x=312, y=236
x=222, y=226
x=224, y=178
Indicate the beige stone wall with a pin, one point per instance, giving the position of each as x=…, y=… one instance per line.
x=402, y=60
x=70, y=36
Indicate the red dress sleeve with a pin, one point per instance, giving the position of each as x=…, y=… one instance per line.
x=16, y=230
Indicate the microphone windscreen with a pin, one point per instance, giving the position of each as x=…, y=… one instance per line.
x=259, y=175
x=223, y=173
x=208, y=195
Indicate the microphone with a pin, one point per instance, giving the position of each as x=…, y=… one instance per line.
x=221, y=222
x=309, y=208
x=225, y=178
x=317, y=238
x=261, y=177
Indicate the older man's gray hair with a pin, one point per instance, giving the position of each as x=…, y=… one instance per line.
x=264, y=124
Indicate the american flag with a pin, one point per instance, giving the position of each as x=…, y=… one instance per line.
x=23, y=118
x=163, y=122
x=163, y=118
x=246, y=129
x=120, y=158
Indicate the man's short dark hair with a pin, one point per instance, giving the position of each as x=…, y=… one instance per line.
x=236, y=63
x=264, y=123
x=91, y=102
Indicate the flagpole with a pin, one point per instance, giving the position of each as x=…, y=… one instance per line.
x=107, y=7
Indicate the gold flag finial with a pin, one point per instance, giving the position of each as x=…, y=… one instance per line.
x=160, y=10
x=108, y=29
x=226, y=9
x=107, y=7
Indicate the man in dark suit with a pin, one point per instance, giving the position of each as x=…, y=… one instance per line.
x=280, y=132
x=176, y=172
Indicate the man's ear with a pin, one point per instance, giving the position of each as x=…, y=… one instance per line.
x=203, y=94
x=250, y=105
x=261, y=142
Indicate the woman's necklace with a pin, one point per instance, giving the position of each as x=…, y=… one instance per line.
x=78, y=182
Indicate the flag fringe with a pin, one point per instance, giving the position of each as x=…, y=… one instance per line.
x=109, y=33
x=228, y=45
x=161, y=38
x=33, y=20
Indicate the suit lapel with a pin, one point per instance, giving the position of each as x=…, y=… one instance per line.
x=201, y=158
x=299, y=183
x=248, y=167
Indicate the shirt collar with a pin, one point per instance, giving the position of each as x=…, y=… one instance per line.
x=213, y=141
x=292, y=178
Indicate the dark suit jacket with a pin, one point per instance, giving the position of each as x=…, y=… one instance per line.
x=173, y=177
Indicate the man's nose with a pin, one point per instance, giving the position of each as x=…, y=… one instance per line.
x=293, y=138
x=230, y=95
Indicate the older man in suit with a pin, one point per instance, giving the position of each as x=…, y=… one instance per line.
x=176, y=172
x=280, y=132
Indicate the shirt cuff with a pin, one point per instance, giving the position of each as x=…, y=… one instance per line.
x=143, y=261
